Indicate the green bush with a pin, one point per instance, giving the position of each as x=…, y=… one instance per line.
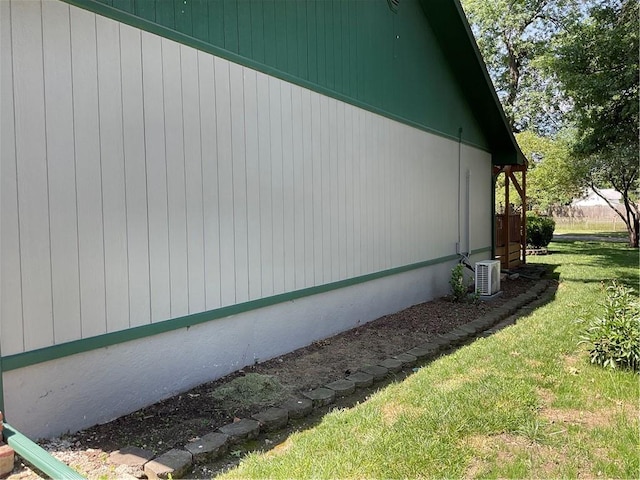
x=539, y=230
x=614, y=338
x=458, y=287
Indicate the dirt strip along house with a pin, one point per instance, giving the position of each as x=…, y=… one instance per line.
x=189, y=187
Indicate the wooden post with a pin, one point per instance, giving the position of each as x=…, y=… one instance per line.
x=524, y=216
x=507, y=217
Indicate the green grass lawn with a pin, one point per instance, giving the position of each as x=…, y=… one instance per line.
x=525, y=402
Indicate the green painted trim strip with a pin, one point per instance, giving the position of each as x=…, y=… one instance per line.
x=21, y=360
x=37, y=456
x=146, y=25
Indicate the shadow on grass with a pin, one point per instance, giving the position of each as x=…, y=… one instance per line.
x=601, y=255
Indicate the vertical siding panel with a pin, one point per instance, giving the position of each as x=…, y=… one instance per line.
x=379, y=190
x=346, y=29
x=253, y=183
x=113, y=187
x=334, y=194
x=325, y=192
x=208, y=137
x=225, y=183
x=62, y=174
x=308, y=187
x=199, y=19
x=357, y=191
x=321, y=33
x=231, y=25
x=364, y=168
x=298, y=186
x=31, y=155
x=216, y=22
x=135, y=175
x=270, y=31
x=288, y=188
x=193, y=178
x=159, y=272
x=316, y=160
x=312, y=41
x=183, y=16
x=88, y=172
x=292, y=41
x=281, y=35
x=334, y=189
x=146, y=10
x=275, y=107
x=341, y=172
x=244, y=29
x=239, y=182
x=257, y=30
x=349, y=189
x=264, y=149
x=176, y=190
x=302, y=39
x=10, y=275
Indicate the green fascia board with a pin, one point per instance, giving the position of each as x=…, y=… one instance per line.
x=449, y=22
x=33, y=357
x=35, y=455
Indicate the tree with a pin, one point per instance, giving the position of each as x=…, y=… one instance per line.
x=550, y=179
x=513, y=35
x=596, y=62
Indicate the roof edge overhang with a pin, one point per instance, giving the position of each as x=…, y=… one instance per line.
x=450, y=25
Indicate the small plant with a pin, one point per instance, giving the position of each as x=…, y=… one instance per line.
x=458, y=286
x=614, y=338
x=539, y=230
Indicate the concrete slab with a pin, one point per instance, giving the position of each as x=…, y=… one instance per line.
x=423, y=352
x=391, y=364
x=342, y=387
x=361, y=379
x=174, y=463
x=377, y=371
x=407, y=359
x=208, y=447
x=321, y=396
x=244, y=429
x=298, y=407
x=272, y=419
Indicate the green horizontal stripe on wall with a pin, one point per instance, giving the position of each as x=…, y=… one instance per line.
x=21, y=360
x=389, y=64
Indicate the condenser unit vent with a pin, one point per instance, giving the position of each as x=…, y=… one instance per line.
x=488, y=277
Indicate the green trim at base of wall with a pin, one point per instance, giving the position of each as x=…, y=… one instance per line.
x=21, y=360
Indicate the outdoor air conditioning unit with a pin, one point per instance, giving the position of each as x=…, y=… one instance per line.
x=488, y=277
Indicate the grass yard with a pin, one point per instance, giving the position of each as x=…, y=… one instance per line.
x=614, y=226
x=525, y=402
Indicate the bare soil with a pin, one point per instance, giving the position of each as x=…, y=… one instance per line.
x=178, y=420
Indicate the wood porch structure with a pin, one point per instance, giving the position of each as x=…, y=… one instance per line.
x=511, y=228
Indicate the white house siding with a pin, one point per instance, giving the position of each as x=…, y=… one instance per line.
x=143, y=180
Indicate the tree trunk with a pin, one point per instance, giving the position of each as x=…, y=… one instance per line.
x=633, y=229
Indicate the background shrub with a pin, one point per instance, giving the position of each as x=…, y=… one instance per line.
x=539, y=230
x=614, y=338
